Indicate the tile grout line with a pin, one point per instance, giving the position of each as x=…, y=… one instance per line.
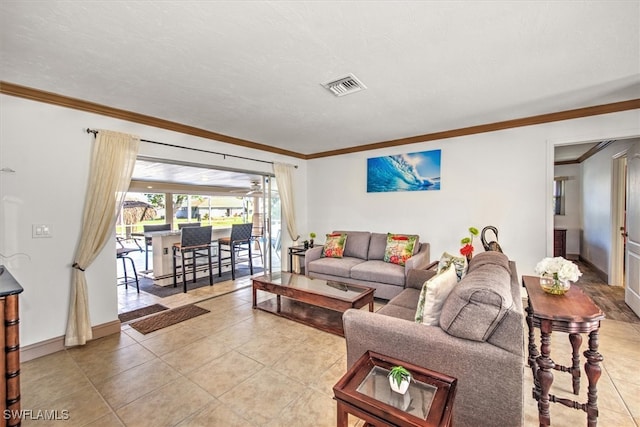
x=113, y=411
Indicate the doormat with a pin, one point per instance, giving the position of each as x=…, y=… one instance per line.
x=168, y=318
x=147, y=285
x=141, y=312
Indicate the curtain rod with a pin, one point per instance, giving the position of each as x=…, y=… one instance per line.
x=95, y=133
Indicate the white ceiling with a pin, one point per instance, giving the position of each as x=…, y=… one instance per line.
x=151, y=176
x=253, y=70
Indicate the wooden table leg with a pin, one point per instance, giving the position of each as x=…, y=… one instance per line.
x=544, y=373
x=533, y=354
x=290, y=261
x=254, y=296
x=371, y=306
x=593, y=371
x=278, y=304
x=343, y=416
x=576, y=342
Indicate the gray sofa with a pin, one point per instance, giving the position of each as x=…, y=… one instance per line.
x=362, y=264
x=480, y=339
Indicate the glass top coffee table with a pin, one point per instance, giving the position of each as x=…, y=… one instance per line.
x=364, y=391
x=315, y=302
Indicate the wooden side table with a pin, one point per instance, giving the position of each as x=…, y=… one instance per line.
x=573, y=313
x=297, y=250
x=364, y=391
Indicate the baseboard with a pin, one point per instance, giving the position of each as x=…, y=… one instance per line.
x=601, y=274
x=573, y=257
x=106, y=329
x=56, y=344
x=41, y=348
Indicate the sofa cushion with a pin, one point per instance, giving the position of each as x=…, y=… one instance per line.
x=377, y=246
x=357, y=245
x=477, y=305
x=334, y=245
x=433, y=295
x=406, y=299
x=398, y=311
x=399, y=248
x=379, y=271
x=460, y=263
x=334, y=266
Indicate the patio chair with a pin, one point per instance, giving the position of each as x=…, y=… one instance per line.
x=257, y=232
x=122, y=252
x=188, y=224
x=276, y=243
x=195, y=241
x=239, y=240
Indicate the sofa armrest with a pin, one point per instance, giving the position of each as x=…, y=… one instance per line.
x=416, y=278
x=403, y=339
x=419, y=261
x=312, y=255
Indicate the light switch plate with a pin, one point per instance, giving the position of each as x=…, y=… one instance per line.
x=39, y=231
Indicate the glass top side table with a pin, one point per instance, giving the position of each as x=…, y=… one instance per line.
x=364, y=391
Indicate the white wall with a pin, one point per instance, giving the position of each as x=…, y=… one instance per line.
x=501, y=178
x=597, y=197
x=572, y=218
x=47, y=147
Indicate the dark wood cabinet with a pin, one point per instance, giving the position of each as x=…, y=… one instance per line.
x=10, y=340
x=560, y=242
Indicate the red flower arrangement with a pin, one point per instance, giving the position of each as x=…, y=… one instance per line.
x=467, y=250
x=467, y=242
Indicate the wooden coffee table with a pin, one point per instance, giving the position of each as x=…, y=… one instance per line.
x=364, y=391
x=314, y=302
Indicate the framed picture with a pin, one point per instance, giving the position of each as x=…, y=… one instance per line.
x=404, y=172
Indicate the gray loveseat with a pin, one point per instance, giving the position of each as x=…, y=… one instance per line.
x=362, y=264
x=480, y=339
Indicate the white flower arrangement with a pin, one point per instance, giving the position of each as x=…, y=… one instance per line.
x=558, y=268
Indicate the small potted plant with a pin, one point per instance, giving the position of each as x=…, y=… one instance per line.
x=399, y=379
x=312, y=236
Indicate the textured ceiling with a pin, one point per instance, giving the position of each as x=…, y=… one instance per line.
x=253, y=70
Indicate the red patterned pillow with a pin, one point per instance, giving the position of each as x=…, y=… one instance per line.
x=334, y=245
x=399, y=248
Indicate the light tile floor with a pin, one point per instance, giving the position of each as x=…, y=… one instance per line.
x=236, y=366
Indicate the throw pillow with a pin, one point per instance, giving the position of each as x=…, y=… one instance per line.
x=334, y=245
x=433, y=295
x=460, y=263
x=399, y=248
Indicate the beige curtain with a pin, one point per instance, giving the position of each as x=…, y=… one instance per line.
x=112, y=160
x=284, y=178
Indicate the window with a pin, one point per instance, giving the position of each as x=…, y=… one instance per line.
x=558, y=196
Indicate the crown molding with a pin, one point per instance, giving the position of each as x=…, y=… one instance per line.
x=65, y=101
x=91, y=107
x=491, y=127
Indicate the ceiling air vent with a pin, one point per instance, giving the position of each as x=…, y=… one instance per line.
x=345, y=85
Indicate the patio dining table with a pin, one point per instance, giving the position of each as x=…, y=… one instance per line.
x=161, y=247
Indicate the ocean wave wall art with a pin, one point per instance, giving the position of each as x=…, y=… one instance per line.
x=404, y=172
